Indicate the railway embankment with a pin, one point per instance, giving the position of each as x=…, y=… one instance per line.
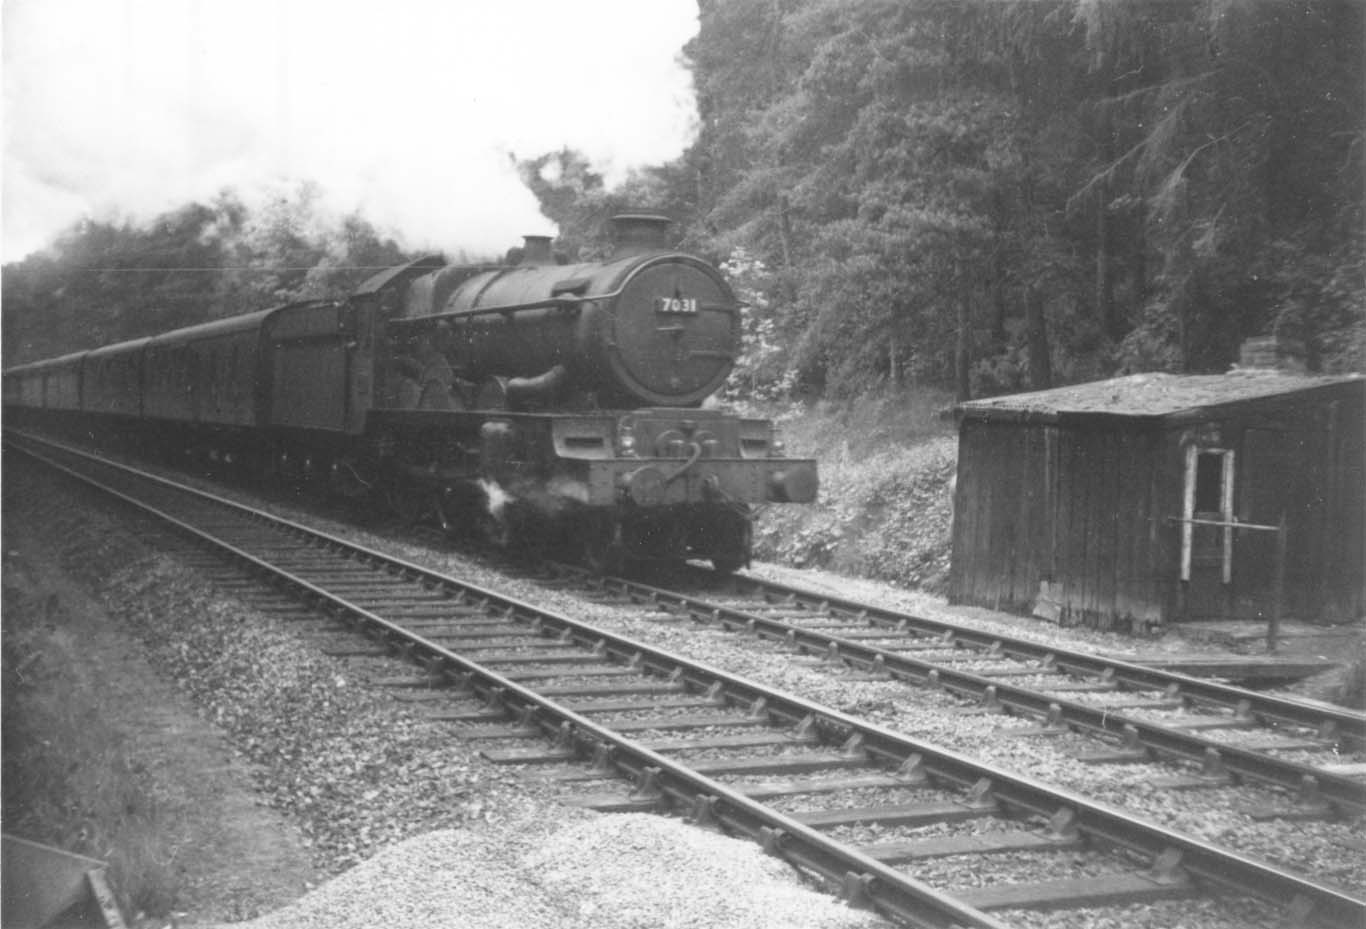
x=885, y=506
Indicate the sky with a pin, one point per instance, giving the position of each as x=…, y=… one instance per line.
x=407, y=110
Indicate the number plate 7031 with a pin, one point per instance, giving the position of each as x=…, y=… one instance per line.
x=684, y=305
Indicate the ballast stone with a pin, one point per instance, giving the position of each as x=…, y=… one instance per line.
x=623, y=871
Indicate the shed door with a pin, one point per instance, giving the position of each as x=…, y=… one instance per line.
x=1207, y=551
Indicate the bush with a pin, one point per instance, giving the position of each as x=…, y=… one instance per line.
x=884, y=507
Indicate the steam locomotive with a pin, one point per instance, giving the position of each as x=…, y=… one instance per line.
x=529, y=400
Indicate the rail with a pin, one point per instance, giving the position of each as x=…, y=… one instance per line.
x=862, y=877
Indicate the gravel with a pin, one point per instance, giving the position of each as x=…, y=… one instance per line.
x=628, y=871
x=416, y=829
x=1329, y=850
x=361, y=772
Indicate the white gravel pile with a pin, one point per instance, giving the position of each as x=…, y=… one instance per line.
x=629, y=871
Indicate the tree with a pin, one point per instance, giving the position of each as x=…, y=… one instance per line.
x=107, y=282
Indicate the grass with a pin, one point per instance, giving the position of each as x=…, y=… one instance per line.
x=69, y=780
x=884, y=508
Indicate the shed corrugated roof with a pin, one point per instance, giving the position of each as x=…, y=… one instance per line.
x=1153, y=394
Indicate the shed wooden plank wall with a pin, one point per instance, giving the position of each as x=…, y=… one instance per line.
x=1349, y=598
x=1075, y=507
x=1341, y=580
x=1002, y=527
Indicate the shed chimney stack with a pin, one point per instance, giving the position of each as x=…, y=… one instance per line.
x=1272, y=353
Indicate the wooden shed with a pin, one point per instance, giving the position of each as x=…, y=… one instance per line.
x=1131, y=502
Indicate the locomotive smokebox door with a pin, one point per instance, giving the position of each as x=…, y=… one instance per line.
x=674, y=330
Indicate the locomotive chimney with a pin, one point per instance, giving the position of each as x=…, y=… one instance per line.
x=633, y=233
x=536, y=250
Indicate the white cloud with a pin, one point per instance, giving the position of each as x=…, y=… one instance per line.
x=406, y=109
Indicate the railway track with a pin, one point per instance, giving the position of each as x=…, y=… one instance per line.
x=1142, y=713
x=810, y=783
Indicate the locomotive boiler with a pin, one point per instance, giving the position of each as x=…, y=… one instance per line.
x=533, y=400
x=578, y=389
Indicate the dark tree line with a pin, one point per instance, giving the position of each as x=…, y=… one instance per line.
x=999, y=195
x=106, y=282
x=988, y=195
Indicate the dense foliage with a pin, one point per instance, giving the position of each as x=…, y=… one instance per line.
x=106, y=282
x=979, y=195
x=995, y=196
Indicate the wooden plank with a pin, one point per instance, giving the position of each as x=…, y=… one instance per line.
x=962, y=559
x=1093, y=504
x=494, y=632
x=746, y=740
x=1110, y=447
x=643, y=705
x=1103, y=890
x=537, y=657
x=1200, y=723
x=686, y=722
x=986, y=843
x=1049, y=532
x=608, y=689
x=903, y=814
x=1042, y=511
x=1065, y=587
x=467, y=716
x=796, y=786
x=975, y=475
x=961, y=562
x=1146, y=590
x=538, y=674
x=779, y=764
x=776, y=764
x=990, y=515
x=1081, y=687
x=1006, y=503
x=1164, y=556
x=1128, y=520
x=441, y=610
x=1025, y=580
x=999, y=508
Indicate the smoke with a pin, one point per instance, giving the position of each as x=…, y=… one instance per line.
x=496, y=499
x=410, y=111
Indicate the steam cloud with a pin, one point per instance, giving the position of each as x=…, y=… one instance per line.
x=410, y=111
